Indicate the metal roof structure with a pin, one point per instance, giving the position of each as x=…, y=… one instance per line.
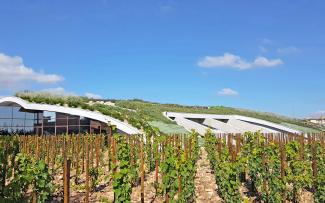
x=226, y=123
x=15, y=101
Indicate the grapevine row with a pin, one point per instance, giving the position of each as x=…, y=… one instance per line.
x=277, y=168
x=66, y=163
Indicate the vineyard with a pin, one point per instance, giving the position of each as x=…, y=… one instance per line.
x=274, y=168
x=120, y=168
x=74, y=168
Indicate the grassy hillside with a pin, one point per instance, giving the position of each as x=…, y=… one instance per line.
x=154, y=112
x=141, y=113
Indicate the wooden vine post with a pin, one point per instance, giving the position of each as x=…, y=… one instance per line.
x=190, y=148
x=168, y=143
x=238, y=143
x=302, y=147
x=185, y=147
x=179, y=175
x=114, y=154
x=321, y=139
x=230, y=147
x=66, y=189
x=114, y=159
x=77, y=158
x=156, y=163
x=142, y=172
x=91, y=153
x=219, y=146
x=48, y=146
x=65, y=186
x=37, y=147
x=109, y=144
x=53, y=153
x=264, y=166
x=87, y=172
x=64, y=154
x=34, y=197
x=282, y=159
x=83, y=153
x=97, y=146
x=162, y=156
x=72, y=144
x=314, y=159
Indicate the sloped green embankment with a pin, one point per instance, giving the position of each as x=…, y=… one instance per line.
x=154, y=112
x=148, y=115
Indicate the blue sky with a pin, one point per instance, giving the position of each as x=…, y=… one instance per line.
x=259, y=54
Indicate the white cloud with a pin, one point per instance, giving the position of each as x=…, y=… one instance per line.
x=233, y=61
x=288, y=50
x=14, y=73
x=227, y=60
x=60, y=91
x=93, y=96
x=264, y=62
x=228, y=92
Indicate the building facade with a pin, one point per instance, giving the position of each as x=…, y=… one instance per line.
x=17, y=120
x=18, y=116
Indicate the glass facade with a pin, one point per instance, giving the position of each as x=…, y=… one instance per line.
x=16, y=120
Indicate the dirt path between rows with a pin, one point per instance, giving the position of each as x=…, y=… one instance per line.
x=205, y=186
x=149, y=191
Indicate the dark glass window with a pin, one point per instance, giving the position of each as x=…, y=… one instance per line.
x=61, y=119
x=61, y=130
x=73, y=117
x=18, y=112
x=5, y=112
x=31, y=115
x=73, y=130
x=49, y=131
x=48, y=115
x=61, y=122
x=61, y=116
x=49, y=118
x=39, y=121
x=84, y=121
x=48, y=123
x=30, y=123
x=95, y=124
x=39, y=115
x=73, y=121
x=18, y=123
x=5, y=122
